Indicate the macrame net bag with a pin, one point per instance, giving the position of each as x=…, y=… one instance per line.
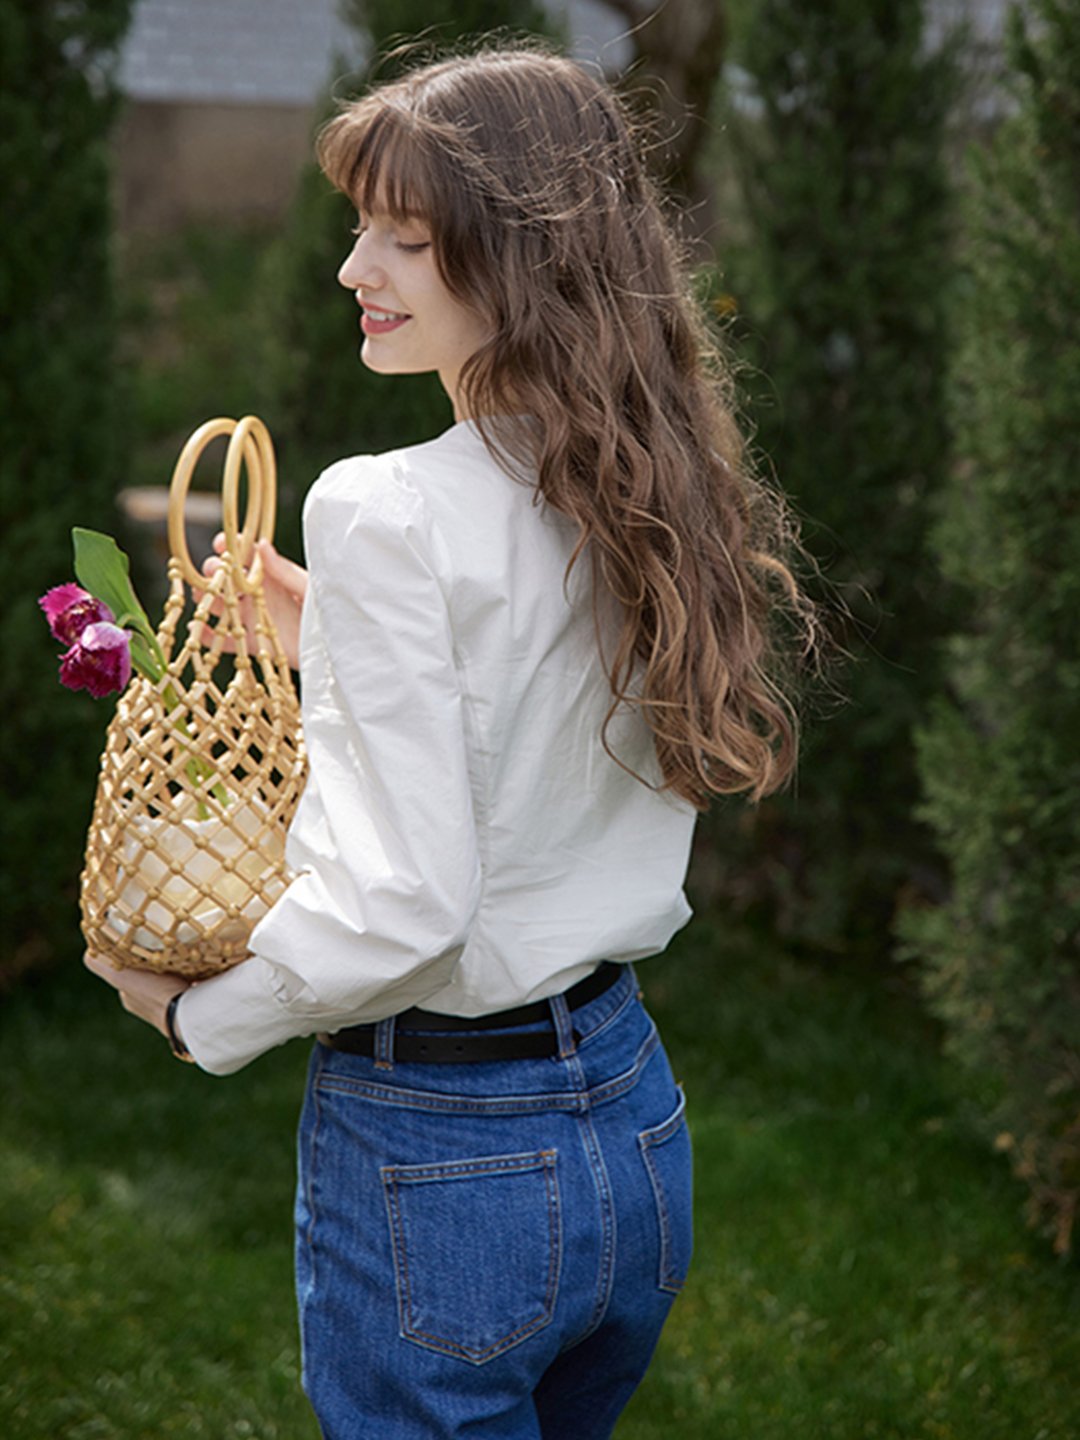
x=202, y=771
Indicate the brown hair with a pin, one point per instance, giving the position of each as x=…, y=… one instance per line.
x=545, y=222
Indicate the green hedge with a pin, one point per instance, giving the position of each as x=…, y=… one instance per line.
x=61, y=438
x=1000, y=758
x=839, y=288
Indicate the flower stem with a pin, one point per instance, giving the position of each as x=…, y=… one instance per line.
x=196, y=768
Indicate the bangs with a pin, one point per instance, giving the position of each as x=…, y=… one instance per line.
x=376, y=155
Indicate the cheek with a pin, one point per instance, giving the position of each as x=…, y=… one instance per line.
x=453, y=325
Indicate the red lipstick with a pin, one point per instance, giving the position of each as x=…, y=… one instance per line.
x=371, y=326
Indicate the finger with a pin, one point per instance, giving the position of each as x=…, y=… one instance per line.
x=272, y=561
x=290, y=577
x=218, y=542
x=104, y=969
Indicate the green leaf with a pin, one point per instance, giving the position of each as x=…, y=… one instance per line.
x=102, y=568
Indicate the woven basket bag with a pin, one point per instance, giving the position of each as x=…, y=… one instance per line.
x=201, y=771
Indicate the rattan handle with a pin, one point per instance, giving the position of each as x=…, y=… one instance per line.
x=249, y=446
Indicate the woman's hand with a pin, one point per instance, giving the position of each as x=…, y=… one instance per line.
x=284, y=585
x=142, y=993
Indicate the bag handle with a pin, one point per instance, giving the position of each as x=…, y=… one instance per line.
x=250, y=445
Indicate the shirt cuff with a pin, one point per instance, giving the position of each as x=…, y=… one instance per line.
x=231, y=1018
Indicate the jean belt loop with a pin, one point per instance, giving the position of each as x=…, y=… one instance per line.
x=637, y=982
x=564, y=1028
x=384, y=1044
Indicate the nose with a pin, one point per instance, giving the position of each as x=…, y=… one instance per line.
x=357, y=272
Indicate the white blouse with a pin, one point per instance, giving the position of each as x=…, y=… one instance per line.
x=464, y=843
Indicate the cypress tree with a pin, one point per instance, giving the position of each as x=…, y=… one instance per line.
x=61, y=441
x=999, y=759
x=839, y=285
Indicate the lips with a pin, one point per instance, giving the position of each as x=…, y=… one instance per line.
x=381, y=322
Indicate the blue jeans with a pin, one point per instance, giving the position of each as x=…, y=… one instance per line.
x=490, y=1249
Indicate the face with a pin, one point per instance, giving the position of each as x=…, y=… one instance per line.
x=410, y=320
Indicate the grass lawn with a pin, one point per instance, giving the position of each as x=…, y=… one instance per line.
x=861, y=1270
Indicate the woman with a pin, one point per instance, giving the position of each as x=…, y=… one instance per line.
x=531, y=650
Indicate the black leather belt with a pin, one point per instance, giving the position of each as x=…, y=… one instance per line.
x=442, y=1039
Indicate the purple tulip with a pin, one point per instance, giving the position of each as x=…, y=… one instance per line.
x=99, y=661
x=69, y=609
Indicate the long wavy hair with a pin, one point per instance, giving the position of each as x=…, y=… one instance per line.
x=543, y=220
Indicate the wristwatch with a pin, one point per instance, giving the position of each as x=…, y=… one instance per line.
x=179, y=1049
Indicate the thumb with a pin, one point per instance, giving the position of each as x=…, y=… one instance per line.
x=278, y=567
x=270, y=557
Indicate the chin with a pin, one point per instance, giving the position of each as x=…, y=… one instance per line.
x=387, y=365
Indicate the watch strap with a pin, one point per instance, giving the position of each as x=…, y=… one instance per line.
x=179, y=1049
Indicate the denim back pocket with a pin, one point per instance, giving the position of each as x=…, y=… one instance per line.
x=665, y=1149
x=477, y=1247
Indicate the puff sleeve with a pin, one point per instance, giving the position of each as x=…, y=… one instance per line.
x=384, y=840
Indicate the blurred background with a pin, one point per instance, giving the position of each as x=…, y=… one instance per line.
x=877, y=1010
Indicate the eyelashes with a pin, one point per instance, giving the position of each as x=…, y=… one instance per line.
x=409, y=249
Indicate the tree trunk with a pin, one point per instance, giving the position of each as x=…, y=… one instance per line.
x=680, y=52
